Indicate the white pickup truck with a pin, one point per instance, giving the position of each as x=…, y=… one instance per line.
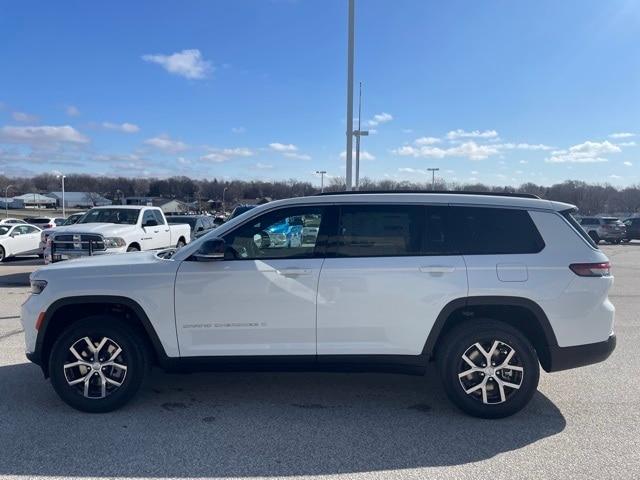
x=115, y=229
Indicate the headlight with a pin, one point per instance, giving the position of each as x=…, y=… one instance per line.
x=37, y=286
x=114, y=242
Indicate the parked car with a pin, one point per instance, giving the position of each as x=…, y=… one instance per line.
x=11, y=221
x=632, y=229
x=44, y=235
x=106, y=230
x=489, y=287
x=46, y=222
x=609, y=229
x=18, y=239
x=199, y=224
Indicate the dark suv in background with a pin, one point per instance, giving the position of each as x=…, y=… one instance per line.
x=632, y=229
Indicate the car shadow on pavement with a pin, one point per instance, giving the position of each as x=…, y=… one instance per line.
x=20, y=279
x=254, y=424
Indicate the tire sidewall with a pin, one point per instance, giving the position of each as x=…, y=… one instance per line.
x=460, y=339
x=2, y=254
x=125, y=337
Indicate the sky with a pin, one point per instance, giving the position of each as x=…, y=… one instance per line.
x=496, y=91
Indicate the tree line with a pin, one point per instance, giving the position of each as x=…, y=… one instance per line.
x=591, y=199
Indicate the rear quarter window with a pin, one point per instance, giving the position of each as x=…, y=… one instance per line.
x=568, y=215
x=494, y=231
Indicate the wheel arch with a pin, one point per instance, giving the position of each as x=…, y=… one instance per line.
x=521, y=313
x=66, y=311
x=134, y=244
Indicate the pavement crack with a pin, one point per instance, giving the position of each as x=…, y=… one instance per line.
x=10, y=334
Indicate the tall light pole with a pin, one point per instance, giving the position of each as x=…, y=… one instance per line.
x=62, y=176
x=6, y=199
x=350, y=44
x=433, y=177
x=322, y=174
x=359, y=133
x=224, y=190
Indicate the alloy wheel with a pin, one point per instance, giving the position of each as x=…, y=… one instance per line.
x=96, y=368
x=490, y=371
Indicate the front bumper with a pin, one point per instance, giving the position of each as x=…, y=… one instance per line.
x=564, y=358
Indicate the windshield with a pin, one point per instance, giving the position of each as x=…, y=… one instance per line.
x=610, y=221
x=73, y=219
x=40, y=221
x=121, y=216
x=4, y=229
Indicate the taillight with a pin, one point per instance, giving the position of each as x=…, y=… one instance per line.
x=591, y=269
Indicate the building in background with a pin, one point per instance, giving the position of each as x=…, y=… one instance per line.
x=10, y=202
x=80, y=199
x=36, y=200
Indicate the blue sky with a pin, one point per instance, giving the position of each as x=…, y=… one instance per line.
x=501, y=92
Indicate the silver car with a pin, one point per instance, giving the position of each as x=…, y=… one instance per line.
x=609, y=229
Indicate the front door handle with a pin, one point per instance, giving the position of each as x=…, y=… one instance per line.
x=294, y=272
x=437, y=269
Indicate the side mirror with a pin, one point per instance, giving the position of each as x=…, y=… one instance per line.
x=210, y=251
x=150, y=223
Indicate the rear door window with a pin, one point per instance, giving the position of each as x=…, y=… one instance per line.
x=379, y=230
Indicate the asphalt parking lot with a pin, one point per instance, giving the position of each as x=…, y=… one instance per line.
x=583, y=423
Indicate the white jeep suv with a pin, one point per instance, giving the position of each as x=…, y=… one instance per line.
x=487, y=286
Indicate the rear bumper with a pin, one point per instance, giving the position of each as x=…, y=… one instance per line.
x=563, y=358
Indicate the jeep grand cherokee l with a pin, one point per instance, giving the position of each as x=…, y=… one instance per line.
x=489, y=287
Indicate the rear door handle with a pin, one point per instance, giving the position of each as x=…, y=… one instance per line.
x=294, y=272
x=437, y=269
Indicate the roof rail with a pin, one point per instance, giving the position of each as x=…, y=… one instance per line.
x=438, y=192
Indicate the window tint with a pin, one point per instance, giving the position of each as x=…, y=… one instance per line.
x=148, y=217
x=158, y=217
x=30, y=229
x=379, y=230
x=285, y=233
x=485, y=231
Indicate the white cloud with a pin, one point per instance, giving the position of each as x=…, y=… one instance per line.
x=470, y=150
x=459, y=133
x=587, y=152
x=626, y=144
x=238, y=130
x=407, y=130
x=523, y=146
x=426, y=141
x=628, y=164
x=523, y=162
x=283, y=147
x=613, y=176
x=72, y=110
x=297, y=156
x=380, y=118
x=121, y=127
x=165, y=144
x=263, y=166
x=187, y=63
x=41, y=135
x=219, y=155
x=364, y=155
x=24, y=117
x=622, y=135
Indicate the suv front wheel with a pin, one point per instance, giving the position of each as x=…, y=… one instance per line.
x=98, y=364
x=488, y=368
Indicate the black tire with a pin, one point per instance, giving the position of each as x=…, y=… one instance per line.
x=180, y=244
x=134, y=356
x=133, y=248
x=594, y=236
x=461, y=340
x=2, y=254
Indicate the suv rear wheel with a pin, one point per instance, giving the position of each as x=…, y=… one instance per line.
x=488, y=368
x=98, y=364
